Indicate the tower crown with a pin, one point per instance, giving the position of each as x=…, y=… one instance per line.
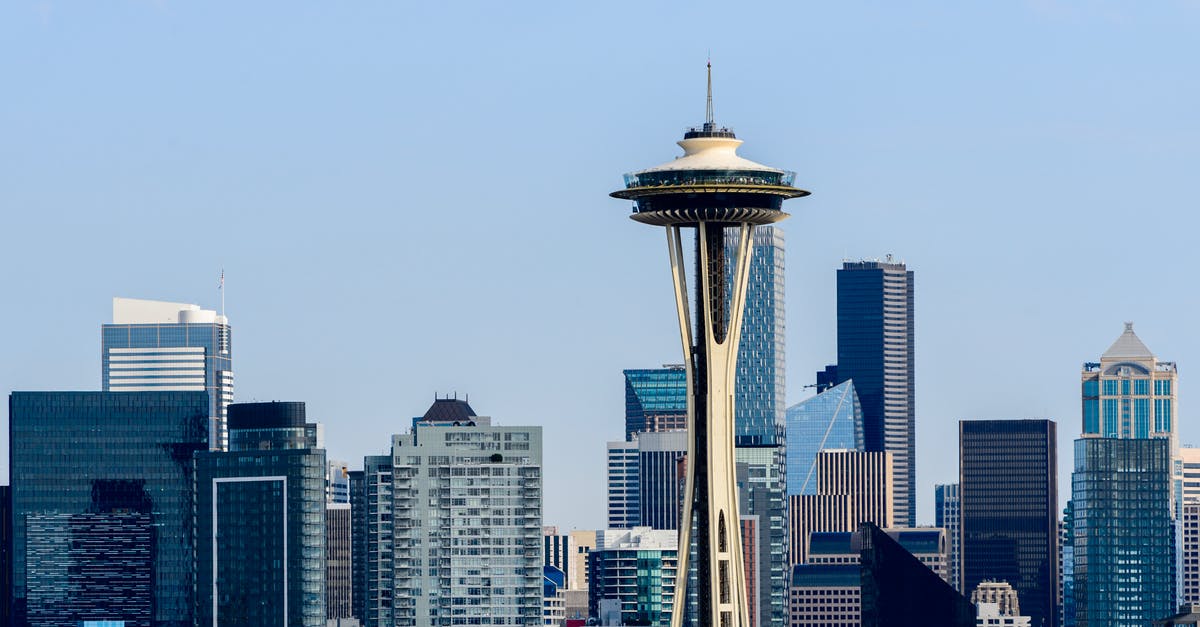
x=709, y=182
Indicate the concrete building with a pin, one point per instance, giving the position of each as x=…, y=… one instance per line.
x=156, y=346
x=466, y=523
x=624, y=509
x=338, y=565
x=852, y=487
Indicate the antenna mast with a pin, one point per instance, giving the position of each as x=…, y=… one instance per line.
x=708, y=112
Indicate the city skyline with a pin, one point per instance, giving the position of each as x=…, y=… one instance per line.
x=164, y=176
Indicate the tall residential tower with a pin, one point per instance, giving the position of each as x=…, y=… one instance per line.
x=714, y=191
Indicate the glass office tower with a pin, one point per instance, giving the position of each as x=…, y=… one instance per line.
x=104, y=478
x=161, y=346
x=829, y=420
x=260, y=522
x=947, y=512
x=1008, y=500
x=1124, y=554
x=655, y=400
x=875, y=350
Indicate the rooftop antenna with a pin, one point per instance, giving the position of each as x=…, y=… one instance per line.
x=708, y=112
x=221, y=288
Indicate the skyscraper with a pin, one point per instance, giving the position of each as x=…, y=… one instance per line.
x=466, y=522
x=260, y=521
x=1124, y=571
x=852, y=487
x=623, y=477
x=875, y=350
x=760, y=385
x=655, y=400
x=762, y=493
x=160, y=346
x=658, y=482
x=712, y=189
x=1008, y=490
x=829, y=420
x=358, y=544
x=947, y=515
x=339, y=583
x=107, y=478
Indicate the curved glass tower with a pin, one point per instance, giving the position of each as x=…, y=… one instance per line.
x=711, y=189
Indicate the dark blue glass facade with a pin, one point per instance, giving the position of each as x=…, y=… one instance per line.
x=358, y=545
x=1124, y=555
x=655, y=400
x=829, y=420
x=103, y=478
x=268, y=508
x=875, y=350
x=1008, y=500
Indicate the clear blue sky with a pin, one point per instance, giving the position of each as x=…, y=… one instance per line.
x=411, y=198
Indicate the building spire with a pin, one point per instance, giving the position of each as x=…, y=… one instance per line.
x=708, y=112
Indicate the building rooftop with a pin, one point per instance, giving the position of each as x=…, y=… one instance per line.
x=449, y=410
x=139, y=311
x=1128, y=346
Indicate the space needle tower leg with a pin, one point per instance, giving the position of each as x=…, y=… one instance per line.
x=710, y=357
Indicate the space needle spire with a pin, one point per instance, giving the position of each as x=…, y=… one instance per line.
x=713, y=191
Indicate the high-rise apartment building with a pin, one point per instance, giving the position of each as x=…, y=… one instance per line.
x=634, y=569
x=623, y=482
x=260, y=521
x=156, y=346
x=655, y=400
x=947, y=511
x=875, y=350
x=761, y=398
x=377, y=562
x=1124, y=572
x=1190, y=526
x=466, y=523
x=830, y=420
x=358, y=544
x=104, y=476
x=853, y=487
x=1008, y=491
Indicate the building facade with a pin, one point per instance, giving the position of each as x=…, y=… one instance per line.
x=261, y=521
x=92, y=474
x=466, y=524
x=1124, y=572
x=830, y=420
x=339, y=584
x=378, y=561
x=762, y=492
x=1008, y=486
x=635, y=570
x=852, y=487
x=623, y=480
x=947, y=511
x=358, y=545
x=655, y=400
x=659, y=455
x=875, y=350
x=161, y=346
x=826, y=590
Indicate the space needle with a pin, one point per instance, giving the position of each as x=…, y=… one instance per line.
x=718, y=194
